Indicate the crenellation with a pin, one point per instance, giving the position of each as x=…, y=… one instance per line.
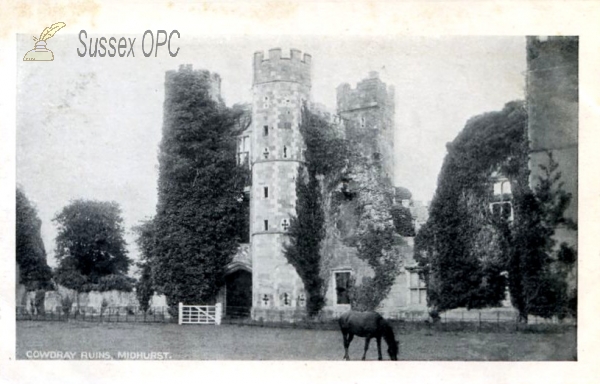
x=295, y=68
x=281, y=87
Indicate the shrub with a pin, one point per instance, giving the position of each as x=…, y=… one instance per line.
x=116, y=283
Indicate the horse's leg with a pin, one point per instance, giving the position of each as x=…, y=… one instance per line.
x=367, y=341
x=347, y=340
x=379, y=347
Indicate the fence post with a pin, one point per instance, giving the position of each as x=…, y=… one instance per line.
x=218, y=313
x=180, y=312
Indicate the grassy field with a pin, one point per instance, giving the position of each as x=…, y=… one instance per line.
x=235, y=342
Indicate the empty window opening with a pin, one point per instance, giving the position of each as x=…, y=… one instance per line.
x=284, y=152
x=342, y=287
x=266, y=190
x=265, y=130
x=266, y=225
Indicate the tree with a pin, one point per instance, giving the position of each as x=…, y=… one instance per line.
x=537, y=269
x=34, y=271
x=403, y=221
x=326, y=155
x=90, y=246
x=200, y=206
x=144, y=288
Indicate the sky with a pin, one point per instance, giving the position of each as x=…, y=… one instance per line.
x=89, y=128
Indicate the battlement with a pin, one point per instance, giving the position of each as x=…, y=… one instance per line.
x=295, y=68
x=213, y=80
x=370, y=92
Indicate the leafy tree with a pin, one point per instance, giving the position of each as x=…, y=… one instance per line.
x=305, y=234
x=200, y=188
x=34, y=271
x=325, y=156
x=145, y=241
x=90, y=246
x=537, y=270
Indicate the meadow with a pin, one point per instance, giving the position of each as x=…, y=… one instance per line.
x=85, y=340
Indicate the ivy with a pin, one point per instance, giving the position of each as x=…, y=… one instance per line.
x=199, y=212
x=464, y=251
x=376, y=247
x=461, y=249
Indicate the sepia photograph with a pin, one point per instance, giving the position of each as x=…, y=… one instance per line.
x=287, y=197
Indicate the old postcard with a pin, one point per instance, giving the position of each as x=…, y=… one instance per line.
x=235, y=190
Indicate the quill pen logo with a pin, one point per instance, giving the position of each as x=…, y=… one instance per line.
x=40, y=52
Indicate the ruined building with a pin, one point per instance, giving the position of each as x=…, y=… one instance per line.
x=260, y=282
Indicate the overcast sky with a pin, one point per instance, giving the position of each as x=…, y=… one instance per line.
x=90, y=127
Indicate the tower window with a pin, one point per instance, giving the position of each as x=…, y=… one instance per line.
x=266, y=153
x=284, y=152
x=266, y=225
x=287, y=125
x=266, y=190
x=285, y=224
x=362, y=122
x=265, y=130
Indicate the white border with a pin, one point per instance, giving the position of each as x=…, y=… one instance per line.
x=347, y=19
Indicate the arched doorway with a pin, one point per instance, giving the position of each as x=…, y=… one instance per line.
x=238, y=293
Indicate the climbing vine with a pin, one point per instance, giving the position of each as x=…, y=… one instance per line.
x=467, y=254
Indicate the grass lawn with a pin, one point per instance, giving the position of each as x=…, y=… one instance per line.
x=234, y=342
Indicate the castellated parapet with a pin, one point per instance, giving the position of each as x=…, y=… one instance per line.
x=295, y=68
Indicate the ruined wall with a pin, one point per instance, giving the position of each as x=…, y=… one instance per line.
x=89, y=300
x=553, y=107
x=370, y=107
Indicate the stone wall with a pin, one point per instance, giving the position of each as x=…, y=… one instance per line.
x=370, y=107
x=93, y=299
x=553, y=108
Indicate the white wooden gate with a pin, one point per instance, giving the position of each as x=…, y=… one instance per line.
x=200, y=314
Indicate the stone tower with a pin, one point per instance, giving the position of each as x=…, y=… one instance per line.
x=368, y=111
x=553, y=108
x=280, y=87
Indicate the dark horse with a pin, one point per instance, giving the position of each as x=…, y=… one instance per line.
x=368, y=325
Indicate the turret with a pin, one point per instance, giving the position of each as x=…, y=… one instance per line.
x=295, y=67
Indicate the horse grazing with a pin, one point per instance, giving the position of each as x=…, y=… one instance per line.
x=368, y=325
